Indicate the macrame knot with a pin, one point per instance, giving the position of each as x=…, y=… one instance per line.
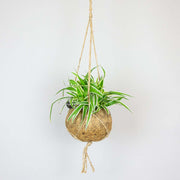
x=85, y=158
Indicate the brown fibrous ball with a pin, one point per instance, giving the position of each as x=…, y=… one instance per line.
x=98, y=128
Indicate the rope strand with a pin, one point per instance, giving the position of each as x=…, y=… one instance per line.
x=90, y=48
x=82, y=49
x=96, y=58
x=85, y=158
x=89, y=25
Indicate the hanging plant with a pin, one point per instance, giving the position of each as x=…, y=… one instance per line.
x=89, y=118
x=81, y=111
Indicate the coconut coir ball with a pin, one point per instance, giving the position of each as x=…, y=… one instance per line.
x=99, y=126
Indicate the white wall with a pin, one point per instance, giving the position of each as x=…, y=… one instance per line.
x=138, y=45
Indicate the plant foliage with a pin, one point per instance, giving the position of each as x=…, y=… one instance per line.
x=77, y=96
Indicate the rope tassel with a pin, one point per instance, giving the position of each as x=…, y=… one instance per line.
x=85, y=158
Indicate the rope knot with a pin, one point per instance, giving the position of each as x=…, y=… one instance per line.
x=85, y=158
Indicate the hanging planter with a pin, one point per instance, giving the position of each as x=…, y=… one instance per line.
x=89, y=118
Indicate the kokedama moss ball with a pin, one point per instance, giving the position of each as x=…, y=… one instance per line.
x=98, y=128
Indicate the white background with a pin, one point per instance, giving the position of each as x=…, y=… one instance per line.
x=137, y=43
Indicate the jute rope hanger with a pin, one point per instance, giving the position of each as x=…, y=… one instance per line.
x=89, y=25
x=92, y=42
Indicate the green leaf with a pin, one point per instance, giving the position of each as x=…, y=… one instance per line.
x=103, y=72
x=94, y=68
x=95, y=100
x=62, y=108
x=71, y=102
x=119, y=97
x=92, y=101
x=67, y=88
x=94, y=90
x=82, y=102
x=106, y=109
x=97, y=110
x=116, y=93
x=91, y=109
x=117, y=102
x=85, y=108
x=110, y=103
x=53, y=105
x=73, y=83
x=89, y=115
x=86, y=76
x=80, y=91
x=100, y=86
x=75, y=112
x=72, y=94
x=80, y=79
x=125, y=106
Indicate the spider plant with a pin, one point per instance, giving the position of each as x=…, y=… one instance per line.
x=77, y=96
